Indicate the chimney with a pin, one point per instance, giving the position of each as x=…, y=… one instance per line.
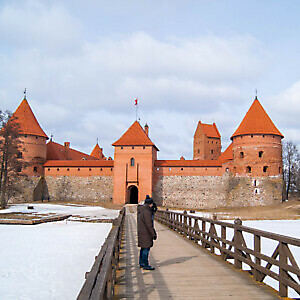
x=147, y=129
x=67, y=145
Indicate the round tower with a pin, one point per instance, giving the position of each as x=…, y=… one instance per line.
x=256, y=145
x=34, y=140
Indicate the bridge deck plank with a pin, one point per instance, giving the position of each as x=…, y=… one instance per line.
x=183, y=271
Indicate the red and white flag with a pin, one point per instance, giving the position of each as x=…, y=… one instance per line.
x=135, y=101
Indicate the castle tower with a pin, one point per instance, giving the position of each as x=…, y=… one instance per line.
x=207, y=142
x=256, y=145
x=98, y=152
x=33, y=138
x=134, y=160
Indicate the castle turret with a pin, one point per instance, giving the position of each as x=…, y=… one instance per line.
x=33, y=138
x=98, y=152
x=134, y=160
x=256, y=144
x=207, y=142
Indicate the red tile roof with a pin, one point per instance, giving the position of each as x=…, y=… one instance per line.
x=79, y=163
x=56, y=151
x=256, y=121
x=210, y=130
x=134, y=136
x=188, y=163
x=97, y=152
x=227, y=154
x=27, y=121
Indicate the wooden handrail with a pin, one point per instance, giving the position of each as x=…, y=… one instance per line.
x=99, y=283
x=203, y=231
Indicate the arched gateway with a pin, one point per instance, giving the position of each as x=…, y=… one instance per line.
x=133, y=195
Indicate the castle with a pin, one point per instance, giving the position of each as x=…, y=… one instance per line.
x=247, y=173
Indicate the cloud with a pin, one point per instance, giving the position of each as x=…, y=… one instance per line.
x=286, y=109
x=83, y=88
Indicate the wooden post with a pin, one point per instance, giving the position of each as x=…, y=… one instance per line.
x=203, y=233
x=282, y=272
x=257, y=246
x=237, y=243
x=223, y=236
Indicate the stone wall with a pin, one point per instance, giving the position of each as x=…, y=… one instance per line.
x=93, y=188
x=26, y=186
x=217, y=191
x=191, y=191
x=254, y=191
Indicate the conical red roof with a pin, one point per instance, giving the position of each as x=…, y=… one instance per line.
x=27, y=121
x=97, y=152
x=256, y=121
x=134, y=136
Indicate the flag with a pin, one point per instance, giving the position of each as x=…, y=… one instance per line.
x=135, y=101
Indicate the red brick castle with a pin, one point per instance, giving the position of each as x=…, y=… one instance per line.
x=248, y=172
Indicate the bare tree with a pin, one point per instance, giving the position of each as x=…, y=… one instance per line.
x=11, y=160
x=291, y=168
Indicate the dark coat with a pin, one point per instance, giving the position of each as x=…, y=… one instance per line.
x=146, y=231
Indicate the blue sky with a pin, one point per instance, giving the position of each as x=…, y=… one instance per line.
x=83, y=63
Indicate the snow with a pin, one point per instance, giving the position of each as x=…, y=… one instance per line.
x=49, y=261
x=83, y=211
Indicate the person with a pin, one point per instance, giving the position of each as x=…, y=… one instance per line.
x=146, y=232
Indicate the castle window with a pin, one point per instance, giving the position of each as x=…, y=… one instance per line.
x=48, y=169
x=265, y=169
x=57, y=169
x=256, y=191
x=20, y=155
x=181, y=169
x=78, y=169
x=212, y=151
x=198, y=151
x=121, y=147
x=68, y=169
x=263, y=135
x=254, y=182
x=144, y=147
x=132, y=162
x=248, y=169
x=35, y=169
x=101, y=169
x=241, y=154
x=26, y=135
x=252, y=135
x=90, y=169
x=111, y=169
x=36, y=137
x=260, y=154
x=132, y=147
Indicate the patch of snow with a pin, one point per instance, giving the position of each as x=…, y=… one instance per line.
x=48, y=261
x=78, y=210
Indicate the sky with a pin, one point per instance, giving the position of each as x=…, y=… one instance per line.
x=84, y=62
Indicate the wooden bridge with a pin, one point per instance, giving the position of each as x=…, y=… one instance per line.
x=184, y=267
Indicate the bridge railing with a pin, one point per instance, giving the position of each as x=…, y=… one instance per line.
x=229, y=242
x=99, y=283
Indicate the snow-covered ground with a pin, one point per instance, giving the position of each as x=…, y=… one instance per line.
x=49, y=261
x=89, y=212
